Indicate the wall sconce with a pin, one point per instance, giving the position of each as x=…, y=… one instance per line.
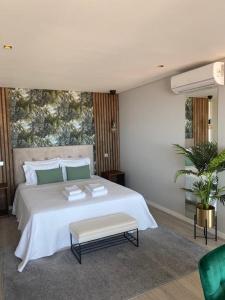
x=113, y=126
x=210, y=124
x=1, y=163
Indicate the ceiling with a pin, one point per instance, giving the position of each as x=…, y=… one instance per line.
x=98, y=45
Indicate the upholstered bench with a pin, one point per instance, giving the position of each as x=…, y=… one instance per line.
x=101, y=232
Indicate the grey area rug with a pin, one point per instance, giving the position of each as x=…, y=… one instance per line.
x=120, y=272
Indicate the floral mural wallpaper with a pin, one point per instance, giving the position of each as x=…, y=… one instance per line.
x=42, y=118
x=189, y=118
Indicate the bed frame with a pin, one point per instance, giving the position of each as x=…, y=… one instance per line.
x=28, y=154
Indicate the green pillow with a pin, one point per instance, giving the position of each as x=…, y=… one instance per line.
x=74, y=173
x=49, y=176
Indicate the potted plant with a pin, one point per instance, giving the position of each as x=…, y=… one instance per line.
x=207, y=164
x=205, y=190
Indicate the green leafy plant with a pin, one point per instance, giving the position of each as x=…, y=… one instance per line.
x=208, y=163
x=200, y=156
x=205, y=190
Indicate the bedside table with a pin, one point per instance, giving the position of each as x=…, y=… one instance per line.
x=4, y=189
x=115, y=176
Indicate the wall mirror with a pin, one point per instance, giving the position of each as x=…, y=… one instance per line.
x=201, y=125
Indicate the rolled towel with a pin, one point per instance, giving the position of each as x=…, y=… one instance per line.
x=74, y=197
x=72, y=190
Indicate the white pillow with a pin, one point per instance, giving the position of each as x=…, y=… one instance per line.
x=46, y=161
x=73, y=163
x=29, y=170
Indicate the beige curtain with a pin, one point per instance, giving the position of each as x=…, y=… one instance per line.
x=200, y=120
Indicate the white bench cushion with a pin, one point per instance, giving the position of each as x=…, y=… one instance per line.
x=100, y=227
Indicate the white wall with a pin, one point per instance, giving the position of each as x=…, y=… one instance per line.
x=151, y=120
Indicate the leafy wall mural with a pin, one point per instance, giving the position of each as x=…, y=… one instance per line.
x=189, y=118
x=42, y=118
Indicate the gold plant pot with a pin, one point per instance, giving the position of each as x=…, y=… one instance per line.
x=203, y=215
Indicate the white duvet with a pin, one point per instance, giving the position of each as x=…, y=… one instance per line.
x=44, y=214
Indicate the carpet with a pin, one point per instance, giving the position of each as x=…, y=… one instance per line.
x=116, y=273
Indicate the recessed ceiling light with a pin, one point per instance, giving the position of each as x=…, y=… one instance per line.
x=161, y=66
x=8, y=47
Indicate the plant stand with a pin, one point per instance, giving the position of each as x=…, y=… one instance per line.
x=205, y=229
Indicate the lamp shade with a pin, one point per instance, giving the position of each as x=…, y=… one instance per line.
x=1, y=163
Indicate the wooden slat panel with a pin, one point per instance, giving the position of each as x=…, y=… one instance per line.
x=10, y=150
x=106, y=110
x=200, y=120
x=6, y=172
x=1, y=138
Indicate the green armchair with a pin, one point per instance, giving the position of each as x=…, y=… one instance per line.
x=212, y=274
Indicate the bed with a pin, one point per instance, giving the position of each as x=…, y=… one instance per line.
x=44, y=214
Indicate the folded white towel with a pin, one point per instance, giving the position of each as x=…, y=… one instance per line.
x=73, y=189
x=99, y=193
x=94, y=187
x=96, y=193
x=74, y=197
x=72, y=194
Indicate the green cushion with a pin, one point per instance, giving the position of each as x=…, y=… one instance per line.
x=212, y=274
x=49, y=176
x=74, y=173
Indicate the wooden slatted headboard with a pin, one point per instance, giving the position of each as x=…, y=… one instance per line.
x=28, y=154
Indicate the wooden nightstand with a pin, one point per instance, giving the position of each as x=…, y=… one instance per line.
x=4, y=189
x=115, y=176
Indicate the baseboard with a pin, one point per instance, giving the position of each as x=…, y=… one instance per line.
x=169, y=211
x=180, y=216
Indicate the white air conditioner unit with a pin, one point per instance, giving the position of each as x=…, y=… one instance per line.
x=204, y=77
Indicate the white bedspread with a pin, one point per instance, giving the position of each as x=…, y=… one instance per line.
x=44, y=214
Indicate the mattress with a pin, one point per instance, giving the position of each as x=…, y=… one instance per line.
x=44, y=214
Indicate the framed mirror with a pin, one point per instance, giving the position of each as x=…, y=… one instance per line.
x=201, y=125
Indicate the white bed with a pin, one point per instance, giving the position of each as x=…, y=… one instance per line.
x=44, y=214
